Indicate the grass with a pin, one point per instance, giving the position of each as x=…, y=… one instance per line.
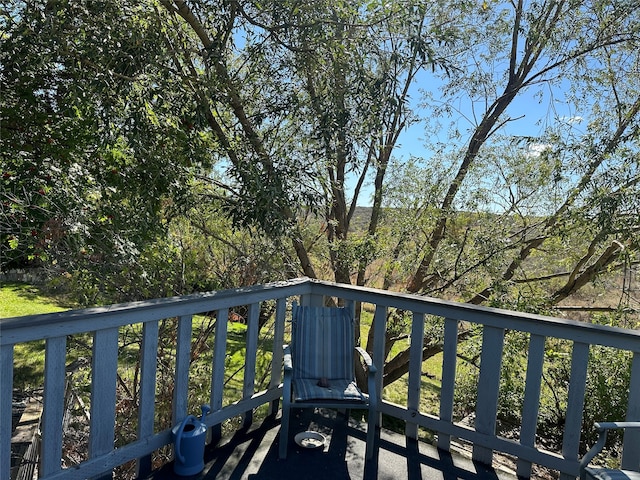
x=20, y=299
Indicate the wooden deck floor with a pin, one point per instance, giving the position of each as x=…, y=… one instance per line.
x=253, y=455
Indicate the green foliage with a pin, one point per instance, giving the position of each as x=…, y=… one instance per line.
x=149, y=151
x=512, y=380
x=606, y=396
x=91, y=147
x=128, y=275
x=262, y=112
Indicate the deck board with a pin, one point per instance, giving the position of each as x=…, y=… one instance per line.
x=253, y=455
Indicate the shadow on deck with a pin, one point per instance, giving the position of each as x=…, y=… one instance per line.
x=253, y=455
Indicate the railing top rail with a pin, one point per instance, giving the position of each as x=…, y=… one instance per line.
x=36, y=327
x=574, y=330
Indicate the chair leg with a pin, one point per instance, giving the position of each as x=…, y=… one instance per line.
x=372, y=426
x=284, y=430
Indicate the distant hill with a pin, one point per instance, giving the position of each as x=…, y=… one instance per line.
x=361, y=218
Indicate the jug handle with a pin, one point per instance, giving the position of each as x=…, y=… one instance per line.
x=178, y=453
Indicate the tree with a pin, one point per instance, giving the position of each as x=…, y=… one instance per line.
x=567, y=204
x=547, y=40
x=334, y=82
x=95, y=138
x=274, y=113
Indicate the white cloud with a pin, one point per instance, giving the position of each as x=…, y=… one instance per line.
x=537, y=149
x=572, y=120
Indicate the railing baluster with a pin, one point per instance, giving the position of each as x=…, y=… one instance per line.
x=104, y=375
x=250, y=359
x=278, y=341
x=6, y=399
x=575, y=403
x=631, y=448
x=379, y=338
x=449, y=361
x=53, y=405
x=183, y=362
x=531, y=403
x=415, y=372
x=147, y=393
x=488, y=389
x=217, y=376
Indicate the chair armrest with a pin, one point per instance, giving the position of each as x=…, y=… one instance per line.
x=367, y=359
x=602, y=428
x=288, y=364
x=615, y=425
x=371, y=385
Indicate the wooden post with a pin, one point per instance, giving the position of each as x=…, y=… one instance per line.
x=183, y=362
x=53, y=405
x=277, y=354
x=447, y=390
x=104, y=365
x=415, y=372
x=575, y=404
x=488, y=389
x=250, y=360
x=631, y=448
x=531, y=403
x=6, y=399
x=379, y=338
x=217, y=375
x=147, y=398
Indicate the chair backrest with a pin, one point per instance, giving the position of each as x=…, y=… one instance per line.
x=322, y=342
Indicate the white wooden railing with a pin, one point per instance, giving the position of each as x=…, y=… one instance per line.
x=104, y=324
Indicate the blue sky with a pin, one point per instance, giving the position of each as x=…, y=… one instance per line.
x=532, y=110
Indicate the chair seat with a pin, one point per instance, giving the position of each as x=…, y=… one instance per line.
x=305, y=389
x=611, y=474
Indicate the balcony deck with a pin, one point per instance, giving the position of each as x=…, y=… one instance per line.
x=253, y=455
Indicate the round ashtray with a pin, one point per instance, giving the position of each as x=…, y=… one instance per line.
x=310, y=439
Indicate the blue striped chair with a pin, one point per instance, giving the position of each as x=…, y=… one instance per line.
x=319, y=368
x=597, y=473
